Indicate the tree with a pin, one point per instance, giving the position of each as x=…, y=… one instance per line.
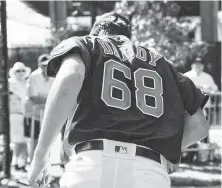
x=155, y=25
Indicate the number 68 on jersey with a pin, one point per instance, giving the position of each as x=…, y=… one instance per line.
x=110, y=83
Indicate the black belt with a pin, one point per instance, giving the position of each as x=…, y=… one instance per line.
x=98, y=145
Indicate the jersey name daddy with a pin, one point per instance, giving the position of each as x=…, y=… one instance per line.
x=127, y=52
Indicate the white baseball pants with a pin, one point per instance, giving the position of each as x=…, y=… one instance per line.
x=110, y=169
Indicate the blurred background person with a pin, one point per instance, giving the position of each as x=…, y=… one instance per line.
x=206, y=83
x=17, y=89
x=37, y=91
x=200, y=78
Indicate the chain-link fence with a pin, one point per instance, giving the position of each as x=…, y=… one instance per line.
x=213, y=109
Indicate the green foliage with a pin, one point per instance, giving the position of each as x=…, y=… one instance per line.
x=155, y=25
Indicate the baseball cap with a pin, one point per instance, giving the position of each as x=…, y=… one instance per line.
x=43, y=59
x=114, y=21
x=198, y=60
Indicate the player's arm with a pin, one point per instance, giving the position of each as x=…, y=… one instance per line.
x=61, y=101
x=196, y=128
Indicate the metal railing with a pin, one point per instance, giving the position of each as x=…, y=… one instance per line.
x=213, y=109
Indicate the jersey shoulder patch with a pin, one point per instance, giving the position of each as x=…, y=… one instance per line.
x=73, y=43
x=64, y=47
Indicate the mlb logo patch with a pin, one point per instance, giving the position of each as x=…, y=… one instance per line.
x=79, y=159
x=121, y=149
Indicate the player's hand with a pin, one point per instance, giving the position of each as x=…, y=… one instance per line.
x=38, y=176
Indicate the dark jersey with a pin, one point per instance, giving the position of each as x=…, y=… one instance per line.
x=130, y=94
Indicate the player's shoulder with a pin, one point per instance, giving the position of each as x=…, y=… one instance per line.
x=162, y=58
x=169, y=62
x=66, y=45
x=79, y=44
x=150, y=49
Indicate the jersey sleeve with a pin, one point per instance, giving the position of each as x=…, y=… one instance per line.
x=192, y=97
x=71, y=45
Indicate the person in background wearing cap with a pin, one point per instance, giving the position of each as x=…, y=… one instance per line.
x=38, y=87
x=206, y=83
x=17, y=90
x=200, y=78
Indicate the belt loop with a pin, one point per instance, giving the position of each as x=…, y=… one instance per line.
x=163, y=161
x=105, y=144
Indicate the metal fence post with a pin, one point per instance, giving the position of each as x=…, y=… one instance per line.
x=4, y=105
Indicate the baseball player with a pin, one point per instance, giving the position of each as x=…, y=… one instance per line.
x=133, y=112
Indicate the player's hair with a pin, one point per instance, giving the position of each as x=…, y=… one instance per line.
x=112, y=23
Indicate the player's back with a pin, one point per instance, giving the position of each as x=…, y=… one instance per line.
x=129, y=94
